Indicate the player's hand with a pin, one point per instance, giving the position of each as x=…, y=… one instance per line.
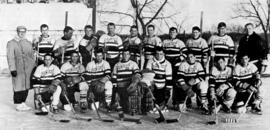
x=192, y=82
x=252, y=89
x=13, y=73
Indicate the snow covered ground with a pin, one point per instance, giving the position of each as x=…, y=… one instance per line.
x=11, y=119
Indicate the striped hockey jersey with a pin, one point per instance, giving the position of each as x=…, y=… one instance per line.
x=188, y=71
x=97, y=70
x=133, y=43
x=149, y=44
x=44, y=75
x=163, y=72
x=222, y=45
x=111, y=44
x=123, y=72
x=69, y=70
x=199, y=47
x=219, y=77
x=173, y=48
x=68, y=44
x=44, y=45
x=244, y=74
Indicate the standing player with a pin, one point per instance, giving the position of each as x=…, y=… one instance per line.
x=112, y=44
x=150, y=42
x=121, y=78
x=43, y=77
x=191, y=79
x=198, y=46
x=87, y=45
x=222, y=45
x=43, y=44
x=133, y=43
x=73, y=69
x=64, y=46
x=254, y=46
x=162, y=79
x=247, y=80
x=97, y=72
x=221, y=88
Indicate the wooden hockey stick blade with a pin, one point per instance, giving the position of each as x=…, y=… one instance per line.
x=107, y=120
x=171, y=120
x=211, y=122
x=138, y=121
x=64, y=121
x=41, y=113
x=159, y=120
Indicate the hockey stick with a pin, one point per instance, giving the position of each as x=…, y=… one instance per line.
x=216, y=116
x=62, y=56
x=74, y=112
x=235, y=120
x=49, y=113
x=97, y=111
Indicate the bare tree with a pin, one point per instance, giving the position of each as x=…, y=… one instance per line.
x=143, y=12
x=256, y=10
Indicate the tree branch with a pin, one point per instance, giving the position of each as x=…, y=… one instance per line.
x=158, y=11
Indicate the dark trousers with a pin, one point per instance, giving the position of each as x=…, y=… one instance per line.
x=20, y=96
x=162, y=96
x=123, y=94
x=70, y=95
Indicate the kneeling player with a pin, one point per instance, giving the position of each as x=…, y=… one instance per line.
x=221, y=88
x=247, y=81
x=191, y=79
x=46, y=84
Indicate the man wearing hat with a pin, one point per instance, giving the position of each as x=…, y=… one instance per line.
x=21, y=61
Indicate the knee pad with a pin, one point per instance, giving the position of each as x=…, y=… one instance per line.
x=203, y=87
x=108, y=88
x=230, y=94
x=83, y=86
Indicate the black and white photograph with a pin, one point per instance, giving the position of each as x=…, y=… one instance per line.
x=134, y=64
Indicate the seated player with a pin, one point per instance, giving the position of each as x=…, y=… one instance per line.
x=46, y=82
x=247, y=80
x=72, y=71
x=221, y=88
x=162, y=79
x=98, y=76
x=121, y=77
x=192, y=79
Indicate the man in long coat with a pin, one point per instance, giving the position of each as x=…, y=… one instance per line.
x=21, y=61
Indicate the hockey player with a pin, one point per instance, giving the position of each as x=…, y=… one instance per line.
x=191, y=79
x=255, y=47
x=173, y=47
x=198, y=46
x=162, y=79
x=72, y=70
x=98, y=75
x=150, y=42
x=222, y=45
x=64, y=46
x=247, y=80
x=220, y=86
x=43, y=44
x=133, y=42
x=112, y=44
x=87, y=45
x=121, y=78
x=46, y=82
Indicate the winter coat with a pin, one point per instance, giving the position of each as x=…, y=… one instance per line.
x=20, y=57
x=254, y=46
